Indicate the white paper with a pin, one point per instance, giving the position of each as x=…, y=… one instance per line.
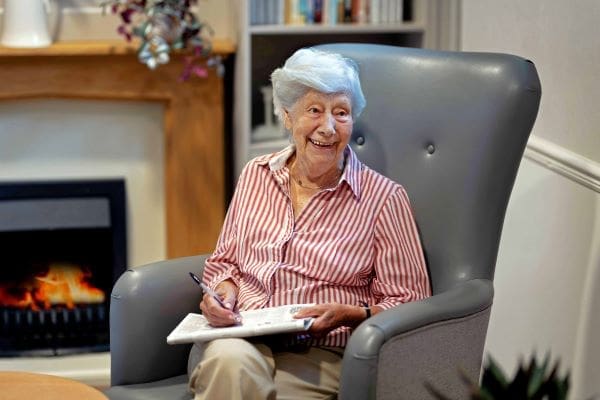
x=195, y=327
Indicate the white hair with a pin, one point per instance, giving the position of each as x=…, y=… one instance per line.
x=314, y=69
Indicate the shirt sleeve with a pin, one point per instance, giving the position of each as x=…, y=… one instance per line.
x=223, y=263
x=400, y=270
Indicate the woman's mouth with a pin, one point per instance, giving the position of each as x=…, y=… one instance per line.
x=320, y=144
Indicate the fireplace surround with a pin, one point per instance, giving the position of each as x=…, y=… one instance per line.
x=195, y=131
x=64, y=247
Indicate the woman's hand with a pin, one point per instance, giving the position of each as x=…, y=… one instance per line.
x=214, y=312
x=330, y=316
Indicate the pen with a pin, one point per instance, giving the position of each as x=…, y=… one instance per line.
x=208, y=290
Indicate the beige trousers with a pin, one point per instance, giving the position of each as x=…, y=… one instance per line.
x=239, y=369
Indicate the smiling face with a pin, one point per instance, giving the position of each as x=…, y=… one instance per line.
x=321, y=126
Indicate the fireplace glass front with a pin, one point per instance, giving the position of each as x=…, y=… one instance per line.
x=63, y=247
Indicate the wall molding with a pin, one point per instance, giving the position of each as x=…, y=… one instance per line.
x=571, y=165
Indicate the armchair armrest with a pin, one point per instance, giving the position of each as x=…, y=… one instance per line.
x=146, y=303
x=394, y=352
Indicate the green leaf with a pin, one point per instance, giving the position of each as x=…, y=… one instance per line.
x=536, y=383
x=517, y=388
x=494, y=375
x=483, y=394
x=556, y=388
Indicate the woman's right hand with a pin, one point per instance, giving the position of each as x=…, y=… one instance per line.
x=214, y=312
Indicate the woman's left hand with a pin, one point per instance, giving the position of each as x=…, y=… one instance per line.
x=330, y=316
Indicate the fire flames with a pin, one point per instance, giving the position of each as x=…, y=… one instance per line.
x=61, y=284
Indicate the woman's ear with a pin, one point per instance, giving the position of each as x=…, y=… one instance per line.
x=287, y=121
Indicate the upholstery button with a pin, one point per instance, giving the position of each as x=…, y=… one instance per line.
x=360, y=140
x=430, y=148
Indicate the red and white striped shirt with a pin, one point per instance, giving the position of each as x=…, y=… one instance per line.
x=356, y=242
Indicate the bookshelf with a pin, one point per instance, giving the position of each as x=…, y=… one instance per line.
x=262, y=47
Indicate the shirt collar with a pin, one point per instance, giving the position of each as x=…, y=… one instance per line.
x=350, y=175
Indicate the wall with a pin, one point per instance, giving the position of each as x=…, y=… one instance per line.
x=548, y=270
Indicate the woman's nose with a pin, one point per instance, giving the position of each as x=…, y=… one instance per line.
x=327, y=124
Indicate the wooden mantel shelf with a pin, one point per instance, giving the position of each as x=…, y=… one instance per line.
x=98, y=48
x=193, y=122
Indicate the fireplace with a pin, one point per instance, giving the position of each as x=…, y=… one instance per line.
x=64, y=246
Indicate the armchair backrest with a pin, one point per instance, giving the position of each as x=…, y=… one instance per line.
x=451, y=128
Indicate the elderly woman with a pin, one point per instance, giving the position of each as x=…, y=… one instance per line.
x=309, y=224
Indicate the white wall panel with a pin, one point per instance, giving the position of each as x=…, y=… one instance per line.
x=69, y=139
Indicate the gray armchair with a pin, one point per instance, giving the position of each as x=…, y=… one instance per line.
x=451, y=128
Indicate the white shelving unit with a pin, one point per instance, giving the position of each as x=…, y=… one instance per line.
x=262, y=48
x=324, y=29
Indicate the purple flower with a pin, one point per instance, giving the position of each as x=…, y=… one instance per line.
x=126, y=15
x=164, y=26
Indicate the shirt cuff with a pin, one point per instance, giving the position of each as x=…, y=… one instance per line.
x=223, y=277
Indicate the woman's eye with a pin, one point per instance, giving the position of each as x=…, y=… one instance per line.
x=313, y=110
x=342, y=114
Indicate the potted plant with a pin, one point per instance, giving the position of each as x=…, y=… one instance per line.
x=532, y=381
x=163, y=26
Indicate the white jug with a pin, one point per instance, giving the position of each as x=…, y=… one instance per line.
x=25, y=23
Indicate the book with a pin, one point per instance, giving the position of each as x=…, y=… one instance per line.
x=265, y=321
x=374, y=10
